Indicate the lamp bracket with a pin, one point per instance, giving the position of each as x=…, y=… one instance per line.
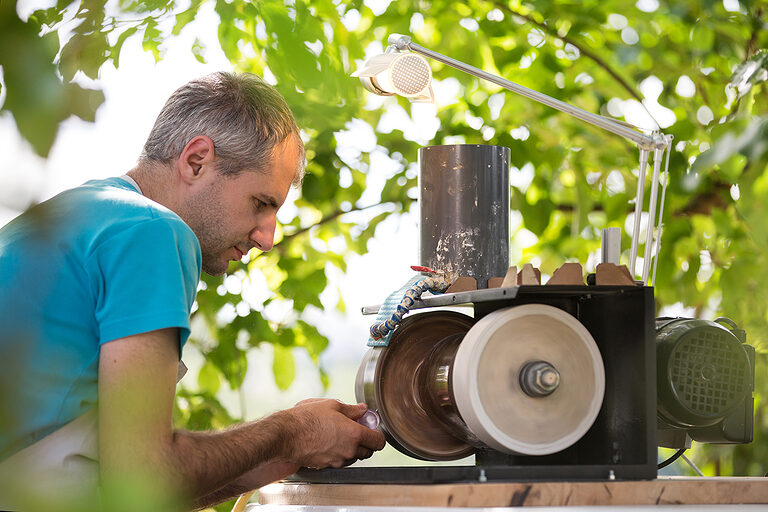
x=399, y=41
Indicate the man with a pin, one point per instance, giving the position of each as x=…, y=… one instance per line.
x=96, y=287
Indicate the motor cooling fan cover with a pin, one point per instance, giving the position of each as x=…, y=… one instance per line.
x=703, y=372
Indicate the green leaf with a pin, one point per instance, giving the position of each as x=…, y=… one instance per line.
x=752, y=142
x=230, y=361
x=198, y=50
x=310, y=338
x=750, y=73
x=325, y=379
x=702, y=36
x=199, y=410
x=84, y=52
x=208, y=378
x=304, y=290
x=34, y=94
x=257, y=327
x=50, y=16
x=118, y=46
x=536, y=216
x=283, y=367
x=152, y=38
x=83, y=102
x=186, y=17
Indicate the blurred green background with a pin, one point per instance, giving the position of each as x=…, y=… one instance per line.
x=695, y=69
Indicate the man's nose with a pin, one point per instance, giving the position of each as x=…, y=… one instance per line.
x=263, y=235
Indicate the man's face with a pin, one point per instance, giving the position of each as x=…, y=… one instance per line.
x=231, y=215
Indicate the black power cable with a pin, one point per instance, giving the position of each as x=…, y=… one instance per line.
x=672, y=459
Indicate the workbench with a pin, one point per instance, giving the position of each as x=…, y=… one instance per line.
x=661, y=491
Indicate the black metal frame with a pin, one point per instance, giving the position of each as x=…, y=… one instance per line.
x=621, y=444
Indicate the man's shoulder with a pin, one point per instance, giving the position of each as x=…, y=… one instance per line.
x=113, y=205
x=117, y=199
x=99, y=215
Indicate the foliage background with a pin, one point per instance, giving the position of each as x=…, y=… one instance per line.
x=701, y=60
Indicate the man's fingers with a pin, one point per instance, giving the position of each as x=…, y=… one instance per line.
x=308, y=401
x=353, y=412
x=363, y=453
x=369, y=438
x=372, y=439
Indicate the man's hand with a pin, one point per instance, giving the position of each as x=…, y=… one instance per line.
x=326, y=434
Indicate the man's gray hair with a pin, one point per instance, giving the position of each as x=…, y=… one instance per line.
x=245, y=117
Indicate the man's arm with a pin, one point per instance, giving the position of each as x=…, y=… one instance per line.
x=251, y=480
x=136, y=438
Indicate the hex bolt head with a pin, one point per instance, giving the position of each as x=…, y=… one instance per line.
x=539, y=379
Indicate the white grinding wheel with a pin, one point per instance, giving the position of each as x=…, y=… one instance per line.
x=486, y=377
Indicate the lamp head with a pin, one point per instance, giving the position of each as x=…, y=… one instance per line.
x=402, y=73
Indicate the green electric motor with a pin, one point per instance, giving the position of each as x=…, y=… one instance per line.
x=705, y=380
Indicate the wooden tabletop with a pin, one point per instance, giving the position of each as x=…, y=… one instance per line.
x=662, y=491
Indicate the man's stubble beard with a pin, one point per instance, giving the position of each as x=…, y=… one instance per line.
x=206, y=214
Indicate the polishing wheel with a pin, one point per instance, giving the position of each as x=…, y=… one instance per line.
x=522, y=380
x=528, y=380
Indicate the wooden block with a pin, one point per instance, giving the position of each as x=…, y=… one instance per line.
x=495, y=282
x=568, y=273
x=462, y=284
x=608, y=274
x=511, y=278
x=529, y=275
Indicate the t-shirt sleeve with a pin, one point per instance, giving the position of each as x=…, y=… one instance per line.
x=145, y=277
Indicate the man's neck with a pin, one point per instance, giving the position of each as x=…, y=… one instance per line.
x=155, y=182
x=132, y=182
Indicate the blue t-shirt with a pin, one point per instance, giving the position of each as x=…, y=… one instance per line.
x=93, y=264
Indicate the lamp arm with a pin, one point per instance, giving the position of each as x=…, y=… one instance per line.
x=643, y=141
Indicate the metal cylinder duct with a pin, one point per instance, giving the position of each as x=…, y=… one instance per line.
x=464, y=201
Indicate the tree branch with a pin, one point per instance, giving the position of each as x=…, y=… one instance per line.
x=582, y=49
x=328, y=218
x=751, y=48
x=707, y=201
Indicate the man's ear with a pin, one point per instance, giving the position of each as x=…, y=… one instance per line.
x=196, y=157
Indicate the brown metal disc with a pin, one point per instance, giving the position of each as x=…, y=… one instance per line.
x=412, y=428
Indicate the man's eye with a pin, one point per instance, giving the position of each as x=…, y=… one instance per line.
x=259, y=203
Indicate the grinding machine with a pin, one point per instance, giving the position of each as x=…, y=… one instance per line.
x=563, y=380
